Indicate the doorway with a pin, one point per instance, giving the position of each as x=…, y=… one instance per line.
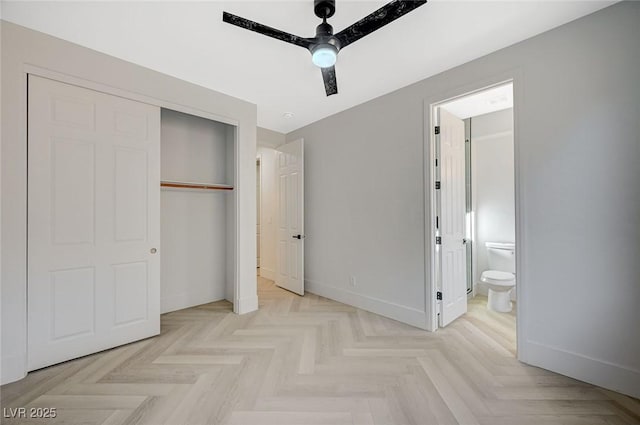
x=473, y=198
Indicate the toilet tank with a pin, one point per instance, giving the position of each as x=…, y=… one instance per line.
x=501, y=256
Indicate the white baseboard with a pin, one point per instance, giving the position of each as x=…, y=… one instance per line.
x=597, y=372
x=13, y=368
x=404, y=314
x=188, y=299
x=246, y=305
x=268, y=273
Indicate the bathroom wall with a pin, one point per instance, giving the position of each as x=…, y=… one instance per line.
x=492, y=180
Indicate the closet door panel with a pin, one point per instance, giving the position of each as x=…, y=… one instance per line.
x=73, y=299
x=131, y=218
x=93, y=221
x=73, y=192
x=131, y=284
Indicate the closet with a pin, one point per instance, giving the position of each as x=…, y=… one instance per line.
x=131, y=213
x=196, y=210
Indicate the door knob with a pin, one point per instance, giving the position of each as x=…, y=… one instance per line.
x=464, y=241
x=297, y=236
x=153, y=250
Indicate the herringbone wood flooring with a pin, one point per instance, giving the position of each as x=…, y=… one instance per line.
x=309, y=360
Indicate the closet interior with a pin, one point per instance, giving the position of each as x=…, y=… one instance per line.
x=197, y=211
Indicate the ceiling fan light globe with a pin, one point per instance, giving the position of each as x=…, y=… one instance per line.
x=324, y=56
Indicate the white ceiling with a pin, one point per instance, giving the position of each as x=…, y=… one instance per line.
x=483, y=102
x=188, y=40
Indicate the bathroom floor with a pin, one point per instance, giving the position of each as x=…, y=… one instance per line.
x=500, y=327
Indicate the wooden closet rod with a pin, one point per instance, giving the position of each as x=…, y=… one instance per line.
x=189, y=185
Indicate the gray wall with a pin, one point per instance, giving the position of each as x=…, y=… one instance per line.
x=577, y=130
x=24, y=49
x=269, y=138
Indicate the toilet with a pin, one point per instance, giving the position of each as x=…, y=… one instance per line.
x=500, y=278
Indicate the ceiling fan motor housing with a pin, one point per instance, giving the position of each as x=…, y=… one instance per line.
x=324, y=35
x=324, y=8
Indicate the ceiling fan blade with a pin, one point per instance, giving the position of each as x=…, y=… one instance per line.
x=265, y=30
x=376, y=20
x=330, y=82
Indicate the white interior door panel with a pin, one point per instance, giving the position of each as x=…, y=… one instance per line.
x=453, y=254
x=93, y=221
x=290, y=252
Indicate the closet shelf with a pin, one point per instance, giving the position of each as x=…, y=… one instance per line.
x=194, y=185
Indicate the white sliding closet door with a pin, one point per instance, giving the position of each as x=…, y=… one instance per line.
x=93, y=221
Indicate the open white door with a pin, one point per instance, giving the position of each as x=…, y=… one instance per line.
x=94, y=222
x=453, y=255
x=290, y=273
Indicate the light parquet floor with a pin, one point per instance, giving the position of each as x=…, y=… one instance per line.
x=310, y=360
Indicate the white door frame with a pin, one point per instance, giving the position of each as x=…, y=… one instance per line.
x=430, y=105
x=103, y=88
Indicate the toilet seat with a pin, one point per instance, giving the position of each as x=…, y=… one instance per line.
x=498, y=278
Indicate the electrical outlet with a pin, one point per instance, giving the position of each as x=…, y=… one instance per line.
x=352, y=281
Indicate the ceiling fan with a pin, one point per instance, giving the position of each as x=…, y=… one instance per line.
x=324, y=47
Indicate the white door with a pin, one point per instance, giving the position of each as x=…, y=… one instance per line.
x=290, y=273
x=453, y=255
x=93, y=221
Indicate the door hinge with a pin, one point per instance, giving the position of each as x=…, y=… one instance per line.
x=437, y=129
x=439, y=296
x=438, y=240
x=437, y=185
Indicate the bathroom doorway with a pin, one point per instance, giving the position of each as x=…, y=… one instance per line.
x=473, y=198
